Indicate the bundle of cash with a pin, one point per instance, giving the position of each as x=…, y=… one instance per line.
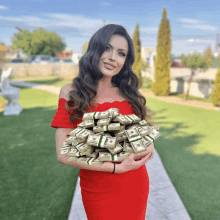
x=108, y=136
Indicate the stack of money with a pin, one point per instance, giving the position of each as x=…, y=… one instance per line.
x=108, y=136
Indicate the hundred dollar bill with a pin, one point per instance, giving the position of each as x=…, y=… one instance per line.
x=115, y=111
x=65, y=145
x=138, y=146
x=101, y=141
x=76, y=141
x=109, y=157
x=104, y=121
x=88, y=152
x=112, y=127
x=123, y=120
x=133, y=134
x=80, y=133
x=147, y=141
x=93, y=154
x=97, y=129
x=83, y=135
x=134, y=118
x=73, y=141
x=143, y=123
x=89, y=161
x=132, y=126
x=64, y=152
x=127, y=147
x=145, y=130
x=83, y=147
x=87, y=124
x=154, y=134
x=75, y=153
x=95, y=115
x=121, y=138
x=118, y=148
x=119, y=133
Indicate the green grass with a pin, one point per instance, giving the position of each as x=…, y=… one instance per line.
x=33, y=184
x=46, y=80
x=189, y=149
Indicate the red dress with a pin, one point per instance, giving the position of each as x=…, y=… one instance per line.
x=108, y=196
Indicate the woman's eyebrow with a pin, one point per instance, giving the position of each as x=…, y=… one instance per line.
x=118, y=49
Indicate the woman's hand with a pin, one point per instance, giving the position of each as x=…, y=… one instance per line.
x=130, y=164
x=150, y=149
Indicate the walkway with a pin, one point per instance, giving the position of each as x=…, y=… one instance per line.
x=164, y=202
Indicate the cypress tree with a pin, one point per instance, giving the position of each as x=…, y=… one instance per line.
x=137, y=53
x=208, y=56
x=215, y=97
x=161, y=86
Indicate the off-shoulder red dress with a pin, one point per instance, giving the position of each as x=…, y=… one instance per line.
x=108, y=196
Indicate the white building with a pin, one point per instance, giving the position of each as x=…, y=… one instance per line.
x=148, y=55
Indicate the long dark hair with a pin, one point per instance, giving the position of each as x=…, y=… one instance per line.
x=85, y=83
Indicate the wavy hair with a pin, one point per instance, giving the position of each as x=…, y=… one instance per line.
x=85, y=84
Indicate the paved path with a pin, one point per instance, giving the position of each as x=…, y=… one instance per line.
x=164, y=202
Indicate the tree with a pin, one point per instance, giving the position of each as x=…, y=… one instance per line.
x=137, y=55
x=38, y=42
x=215, y=97
x=208, y=56
x=84, y=47
x=161, y=86
x=194, y=61
x=142, y=65
x=2, y=43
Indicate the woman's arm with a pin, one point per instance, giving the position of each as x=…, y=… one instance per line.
x=60, y=138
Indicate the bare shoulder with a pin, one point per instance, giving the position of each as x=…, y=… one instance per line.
x=64, y=91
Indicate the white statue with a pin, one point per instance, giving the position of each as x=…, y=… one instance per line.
x=10, y=93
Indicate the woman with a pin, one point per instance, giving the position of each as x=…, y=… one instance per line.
x=111, y=190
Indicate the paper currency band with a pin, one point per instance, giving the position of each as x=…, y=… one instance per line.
x=79, y=131
x=135, y=140
x=89, y=160
x=130, y=118
x=100, y=140
x=150, y=137
x=94, y=115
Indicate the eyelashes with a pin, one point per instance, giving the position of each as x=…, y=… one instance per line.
x=107, y=47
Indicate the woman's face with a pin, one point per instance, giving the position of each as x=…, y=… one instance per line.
x=115, y=54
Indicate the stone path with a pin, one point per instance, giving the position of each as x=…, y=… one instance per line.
x=164, y=202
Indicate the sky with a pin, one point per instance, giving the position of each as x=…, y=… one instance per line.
x=194, y=24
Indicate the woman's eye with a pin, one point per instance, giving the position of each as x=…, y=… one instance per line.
x=107, y=47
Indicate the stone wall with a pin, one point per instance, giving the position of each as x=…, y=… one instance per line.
x=27, y=69
x=201, y=86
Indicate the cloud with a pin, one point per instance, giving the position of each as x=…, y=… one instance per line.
x=2, y=7
x=197, y=24
x=86, y=26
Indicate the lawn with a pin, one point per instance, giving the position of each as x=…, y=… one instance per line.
x=35, y=186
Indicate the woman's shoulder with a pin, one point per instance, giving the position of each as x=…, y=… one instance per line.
x=64, y=91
